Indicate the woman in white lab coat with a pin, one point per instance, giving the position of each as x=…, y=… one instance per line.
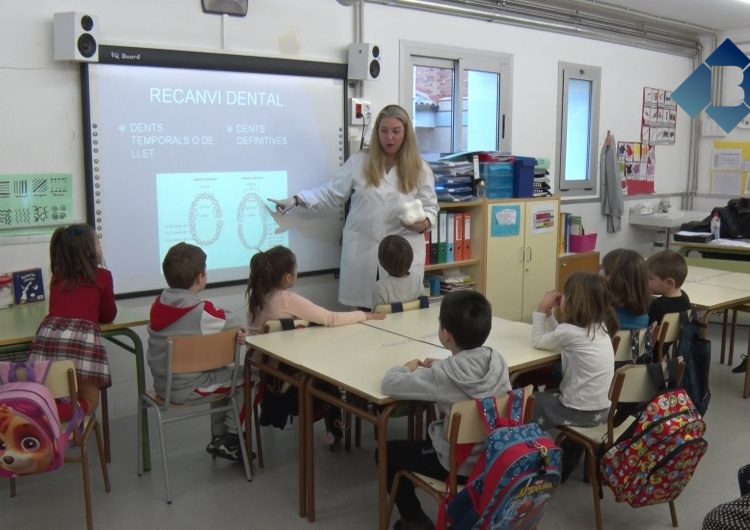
x=378, y=181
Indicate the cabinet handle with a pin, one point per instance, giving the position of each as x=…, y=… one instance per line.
x=521, y=254
x=529, y=254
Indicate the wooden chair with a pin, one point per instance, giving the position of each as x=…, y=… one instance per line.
x=61, y=382
x=465, y=426
x=422, y=302
x=623, y=348
x=667, y=335
x=189, y=354
x=631, y=385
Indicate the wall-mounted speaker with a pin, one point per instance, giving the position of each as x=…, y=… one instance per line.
x=75, y=37
x=364, y=61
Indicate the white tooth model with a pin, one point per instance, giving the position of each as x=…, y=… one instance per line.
x=411, y=212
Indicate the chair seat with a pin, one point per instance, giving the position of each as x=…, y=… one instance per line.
x=435, y=483
x=599, y=432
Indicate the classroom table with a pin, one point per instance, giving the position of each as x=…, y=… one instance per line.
x=355, y=358
x=511, y=339
x=18, y=325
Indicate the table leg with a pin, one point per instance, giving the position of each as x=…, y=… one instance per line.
x=137, y=350
x=383, y=418
x=309, y=448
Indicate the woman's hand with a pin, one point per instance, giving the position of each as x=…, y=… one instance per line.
x=548, y=302
x=421, y=226
x=284, y=205
x=374, y=316
x=241, y=336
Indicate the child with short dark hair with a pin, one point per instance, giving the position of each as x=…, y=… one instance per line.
x=473, y=371
x=399, y=285
x=627, y=277
x=81, y=296
x=179, y=311
x=667, y=271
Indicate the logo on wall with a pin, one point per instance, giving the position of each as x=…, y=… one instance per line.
x=694, y=94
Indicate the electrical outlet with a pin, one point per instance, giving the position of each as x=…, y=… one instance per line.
x=359, y=111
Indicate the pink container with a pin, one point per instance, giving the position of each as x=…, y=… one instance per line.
x=585, y=243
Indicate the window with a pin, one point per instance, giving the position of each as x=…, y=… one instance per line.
x=578, y=128
x=459, y=99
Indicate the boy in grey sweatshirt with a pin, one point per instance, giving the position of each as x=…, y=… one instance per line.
x=472, y=371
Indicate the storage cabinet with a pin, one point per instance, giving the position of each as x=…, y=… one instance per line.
x=520, y=258
x=569, y=263
x=473, y=265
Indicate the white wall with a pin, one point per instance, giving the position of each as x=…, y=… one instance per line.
x=41, y=106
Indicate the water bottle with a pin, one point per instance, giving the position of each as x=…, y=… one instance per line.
x=716, y=226
x=481, y=189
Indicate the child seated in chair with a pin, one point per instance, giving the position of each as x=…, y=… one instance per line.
x=398, y=285
x=178, y=310
x=472, y=371
x=667, y=271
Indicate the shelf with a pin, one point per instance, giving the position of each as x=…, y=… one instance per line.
x=461, y=204
x=451, y=265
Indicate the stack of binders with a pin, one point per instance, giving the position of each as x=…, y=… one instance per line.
x=450, y=240
x=453, y=180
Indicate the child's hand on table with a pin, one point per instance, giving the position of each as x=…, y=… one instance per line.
x=427, y=363
x=412, y=365
x=375, y=316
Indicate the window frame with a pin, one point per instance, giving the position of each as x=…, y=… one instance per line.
x=566, y=72
x=422, y=54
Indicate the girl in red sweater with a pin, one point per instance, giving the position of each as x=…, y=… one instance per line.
x=81, y=296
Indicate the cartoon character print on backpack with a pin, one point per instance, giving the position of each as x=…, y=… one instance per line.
x=24, y=447
x=653, y=462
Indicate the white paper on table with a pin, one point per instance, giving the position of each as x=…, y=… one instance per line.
x=730, y=243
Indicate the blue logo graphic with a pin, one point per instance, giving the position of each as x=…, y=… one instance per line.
x=694, y=94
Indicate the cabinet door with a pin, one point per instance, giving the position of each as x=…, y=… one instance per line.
x=570, y=263
x=505, y=255
x=540, y=253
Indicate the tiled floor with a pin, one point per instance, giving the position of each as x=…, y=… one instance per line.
x=214, y=494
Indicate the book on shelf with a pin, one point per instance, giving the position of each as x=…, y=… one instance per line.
x=28, y=286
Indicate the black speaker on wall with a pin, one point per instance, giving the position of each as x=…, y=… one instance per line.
x=75, y=37
x=364, y=61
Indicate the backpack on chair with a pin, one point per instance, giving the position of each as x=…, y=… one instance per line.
x=696, y=354
x=656, y=456
x=514, y=478
x=31, y=438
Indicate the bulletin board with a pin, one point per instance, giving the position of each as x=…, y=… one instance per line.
x=659, y=117
x=636, y=163
x=35, y=200
x=730, y=164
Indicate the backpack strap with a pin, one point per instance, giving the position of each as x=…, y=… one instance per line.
x=36, y=371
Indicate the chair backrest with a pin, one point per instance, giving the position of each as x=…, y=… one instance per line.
x=199, y=353
x=623, y=352
x=422, y=302
x=284, y=324
x=632, y=383
x=668, y=332
x=471, y=427
x=58, y=382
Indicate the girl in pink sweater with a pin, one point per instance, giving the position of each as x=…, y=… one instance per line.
x=272, y=274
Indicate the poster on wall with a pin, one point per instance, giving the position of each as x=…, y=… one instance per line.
x=636, y=163
x=35, y=199
x=730, y=168
x=659, y=117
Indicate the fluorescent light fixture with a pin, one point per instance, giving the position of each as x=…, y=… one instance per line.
x=236, y=8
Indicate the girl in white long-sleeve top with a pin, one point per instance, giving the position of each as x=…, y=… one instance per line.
x=584, y=341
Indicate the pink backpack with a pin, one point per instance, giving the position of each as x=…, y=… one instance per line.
x=31, y=439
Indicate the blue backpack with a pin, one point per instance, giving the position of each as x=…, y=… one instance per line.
x=513, y=480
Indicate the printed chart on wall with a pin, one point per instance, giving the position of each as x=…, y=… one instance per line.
x=636, y=163
x=730, y=164
x=659, y=117
x=32, y=200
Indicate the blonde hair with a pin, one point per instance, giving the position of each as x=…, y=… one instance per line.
x=409, y=161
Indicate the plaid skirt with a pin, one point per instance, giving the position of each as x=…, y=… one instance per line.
x=78, y=340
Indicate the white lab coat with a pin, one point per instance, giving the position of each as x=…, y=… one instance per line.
x=373, y=215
